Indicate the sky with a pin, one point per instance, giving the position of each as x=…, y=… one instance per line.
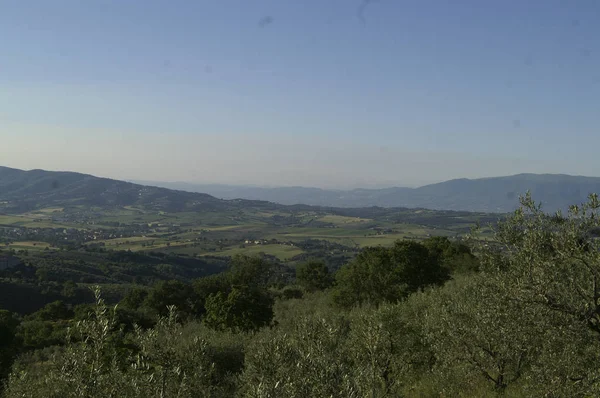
x=325, y=93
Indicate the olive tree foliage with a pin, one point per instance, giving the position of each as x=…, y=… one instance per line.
x=547, y=267
x=163, y=362
x=366, y=353
x=388, y=352
x=306, y=362
x=553, y=260
x=482, y=341
x=85, y=369
x=171, y=364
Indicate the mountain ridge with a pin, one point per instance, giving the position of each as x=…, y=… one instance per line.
x=23, y=190
x=488, y=194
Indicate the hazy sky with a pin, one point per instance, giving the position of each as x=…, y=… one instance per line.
x=332, y=93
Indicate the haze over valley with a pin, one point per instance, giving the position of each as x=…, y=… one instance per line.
x=495, y=194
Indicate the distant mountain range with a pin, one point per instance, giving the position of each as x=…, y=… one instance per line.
x=21, y=191
x=496, y=194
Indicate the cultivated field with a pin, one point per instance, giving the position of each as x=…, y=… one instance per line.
x=284, y=234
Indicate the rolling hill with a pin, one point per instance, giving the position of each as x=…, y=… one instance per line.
x=496, y=194
x=25, y=190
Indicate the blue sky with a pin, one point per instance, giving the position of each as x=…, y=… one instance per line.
x=336, y=93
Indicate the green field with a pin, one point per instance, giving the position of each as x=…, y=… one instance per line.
x=342, y=220
x=29, y=245
x=283, y=252
x=14, y=220
x=29, y=221
x=227, y=233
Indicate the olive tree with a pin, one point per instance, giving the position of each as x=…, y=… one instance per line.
x=549, y=266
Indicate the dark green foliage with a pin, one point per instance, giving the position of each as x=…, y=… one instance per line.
x=70, y=266
x=26, y=298
x=204, y=287
x=46, y=327
x=416, y=267
x=243, y=309
x=172, y=293
x=69, y=289
x=380, y=275
x=313, y=275
x=454, y=256
x=371, y=277
x=9, y=343
x=289, y=293
x=238, y=300
x=135, y=298
x=35, y=334
x=54, y=311
x=127, y=318
x=251, y=271
x=8, y=326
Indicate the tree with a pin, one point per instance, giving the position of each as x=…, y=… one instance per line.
x=9, y=344
x=54, y=311
x=213, y=284
x=308, y=361
x=456, y=257
x=172, y=293
x=243, y=309
x=289, y=293
x=555, y=258
x=69, y=289
x=135, y=298
x=416, y=267
x=170, y=360
x=250, y=271
x=371, y=277
x=480, y=337
x=42, y=274
x=550, y=263
x=364, y=353
x=313, y=275
x=380, y=275
x=46, y=327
